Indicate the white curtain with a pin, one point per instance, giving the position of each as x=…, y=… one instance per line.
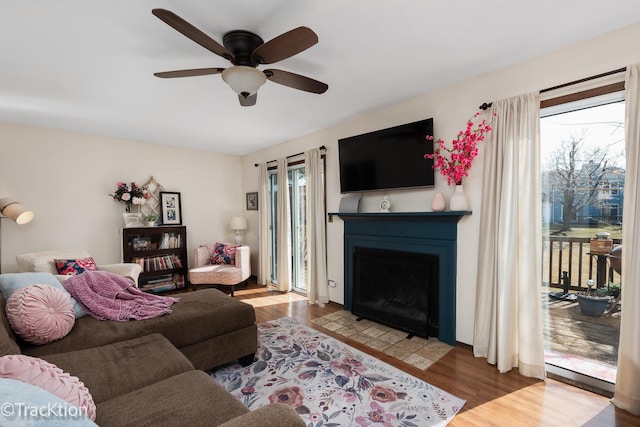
x=264, y=232
x=283, y=237
x=318, y=291
x=627, y=392
x=508, y=318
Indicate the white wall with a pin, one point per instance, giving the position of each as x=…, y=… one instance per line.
x=65, y=178
x=450, y=108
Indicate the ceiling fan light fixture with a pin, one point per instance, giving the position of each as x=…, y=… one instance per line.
x=244, y=81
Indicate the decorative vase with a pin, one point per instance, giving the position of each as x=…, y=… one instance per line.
x=459, y=200
x=438, y=204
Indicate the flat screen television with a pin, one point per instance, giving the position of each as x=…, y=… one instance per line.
x=387, y=159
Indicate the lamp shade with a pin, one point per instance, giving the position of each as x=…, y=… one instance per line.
x=14, y=210
x=244, y=80
x=238, y=223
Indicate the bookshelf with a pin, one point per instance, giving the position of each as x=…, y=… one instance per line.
x=162, y=254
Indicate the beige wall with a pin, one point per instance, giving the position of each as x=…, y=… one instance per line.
x=65, y=178
x=450, y=109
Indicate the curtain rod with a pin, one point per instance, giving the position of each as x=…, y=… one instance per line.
x=586, y=79
x=322, y=147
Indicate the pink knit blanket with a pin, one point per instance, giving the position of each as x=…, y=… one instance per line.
x=109, y=296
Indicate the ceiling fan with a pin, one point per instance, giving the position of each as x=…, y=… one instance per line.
x=246, y=51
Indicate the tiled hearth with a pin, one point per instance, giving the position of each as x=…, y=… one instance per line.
x=417, y=351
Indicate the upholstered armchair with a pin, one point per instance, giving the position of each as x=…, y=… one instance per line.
x=44, y=262
x=213, y=265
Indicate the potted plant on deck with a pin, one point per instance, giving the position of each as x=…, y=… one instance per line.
x=591, y=304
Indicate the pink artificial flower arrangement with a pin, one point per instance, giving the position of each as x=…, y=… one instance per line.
x=455, y=165
x=130, y=194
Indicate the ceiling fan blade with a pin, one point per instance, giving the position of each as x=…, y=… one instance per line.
x=296, y=81
x=192, y=32
x=284, y=46
x=189, y=73
x=249, y=100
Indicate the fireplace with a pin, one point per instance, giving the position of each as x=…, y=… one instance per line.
x=398, y=289
x=428, y=238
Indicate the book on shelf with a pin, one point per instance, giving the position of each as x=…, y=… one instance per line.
x=171, y=241
x=159, y=279
x=159, y=287
x=178, y=280
x=158, y=263
x=164, y=283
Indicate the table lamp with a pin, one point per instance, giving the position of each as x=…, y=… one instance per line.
x=238, y=223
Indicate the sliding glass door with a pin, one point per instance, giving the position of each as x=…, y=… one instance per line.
x=273, y=223
x=582, y=197
x=297, y=202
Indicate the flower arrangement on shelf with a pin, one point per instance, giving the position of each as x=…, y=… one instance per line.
x=130, y=194
x=454, y=163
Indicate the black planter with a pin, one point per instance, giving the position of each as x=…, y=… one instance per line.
x=592, y=306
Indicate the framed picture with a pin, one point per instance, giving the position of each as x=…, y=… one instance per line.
x=132, y=220
x=171, y=211
x=252, y=201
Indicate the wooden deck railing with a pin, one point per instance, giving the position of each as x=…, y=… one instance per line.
x=572, y=254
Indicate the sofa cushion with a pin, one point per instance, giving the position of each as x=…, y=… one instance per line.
x=75, y=266
x=199, y=316
x=188, y=399
x=114, y=369
x=49, y=377
x=11, y=282
x=8, y=344
x=40, y=313
x=274, y=414
x=216, y=274
x=43, y=261
x=31, y=396
x=224, y=253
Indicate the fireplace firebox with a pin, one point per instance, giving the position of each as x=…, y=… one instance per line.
x=398, y=289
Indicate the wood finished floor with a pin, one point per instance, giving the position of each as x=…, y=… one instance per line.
x=493, y=399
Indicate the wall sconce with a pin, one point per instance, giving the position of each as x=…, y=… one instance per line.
x=9, y=208
x=238, y=223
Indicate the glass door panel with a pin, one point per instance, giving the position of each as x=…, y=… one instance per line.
x=582, y=150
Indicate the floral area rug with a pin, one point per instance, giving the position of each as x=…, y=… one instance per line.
x=331, y=384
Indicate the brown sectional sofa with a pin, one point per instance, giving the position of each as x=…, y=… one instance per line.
x=207, y=326
x=147, y=372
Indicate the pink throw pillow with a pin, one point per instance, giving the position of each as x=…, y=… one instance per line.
x=40, y=313
x=224, y=254
x=73, y=267
x=49, y=377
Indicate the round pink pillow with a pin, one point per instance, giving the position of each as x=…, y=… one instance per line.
x=49, y=377
x=40, y=313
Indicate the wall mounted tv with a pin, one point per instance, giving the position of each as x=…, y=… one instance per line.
x=387, y=159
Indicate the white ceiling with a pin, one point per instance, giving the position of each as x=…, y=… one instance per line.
x=87, y=65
